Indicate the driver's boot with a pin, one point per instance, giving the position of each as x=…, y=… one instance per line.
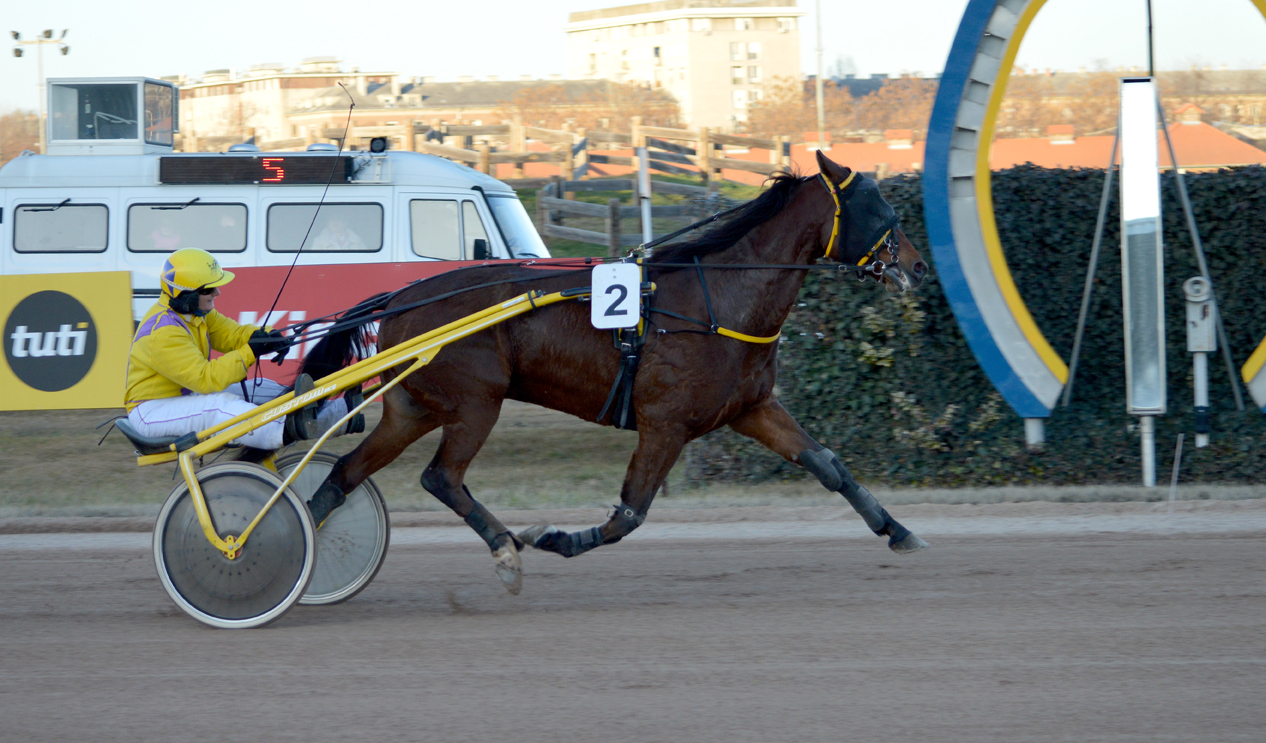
x=301, y=425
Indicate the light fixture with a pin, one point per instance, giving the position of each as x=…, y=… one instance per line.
x=378, y=144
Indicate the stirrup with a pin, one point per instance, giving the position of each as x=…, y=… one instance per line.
x=301, y=425
x=352, y=398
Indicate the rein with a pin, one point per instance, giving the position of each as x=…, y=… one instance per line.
x=863, y=269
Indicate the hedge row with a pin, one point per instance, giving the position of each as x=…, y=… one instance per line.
x=889, y=383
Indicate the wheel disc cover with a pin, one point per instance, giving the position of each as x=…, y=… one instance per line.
x=350, y=544
x=266, y=571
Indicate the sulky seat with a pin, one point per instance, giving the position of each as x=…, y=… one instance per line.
x=145, y=444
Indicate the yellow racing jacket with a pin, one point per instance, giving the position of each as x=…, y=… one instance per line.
x=171, y=355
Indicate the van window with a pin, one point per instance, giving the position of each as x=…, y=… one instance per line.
x=434, y=228
x=68, y=228
x=472, y=228
x=516, y=227
x=162, y=228
x=339, y=228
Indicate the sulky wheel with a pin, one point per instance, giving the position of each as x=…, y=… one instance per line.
x=352, y=543
x=265, y=579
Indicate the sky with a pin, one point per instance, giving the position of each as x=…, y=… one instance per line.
x=512, y=37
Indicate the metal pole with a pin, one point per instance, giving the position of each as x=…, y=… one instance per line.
x=1173, y=478
x=39, y=66
x=1147, y=431
x=1200, y=380
x=1090, y=272
x=1151, y=67
x=1200, y=261
x=644, y=194
x=818, y=81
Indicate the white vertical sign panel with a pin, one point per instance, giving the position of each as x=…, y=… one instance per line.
x=617, y=294
x=1142, y=257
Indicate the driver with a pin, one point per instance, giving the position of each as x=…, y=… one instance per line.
x=174, y=387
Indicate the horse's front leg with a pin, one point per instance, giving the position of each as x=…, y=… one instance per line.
x=655, y=455
x=770, y=424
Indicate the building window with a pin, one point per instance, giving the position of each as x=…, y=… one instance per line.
x=736, y=51
x=743, y=24
x=753, y=50
x=740, y=99
x=736, y=75
x=593, y=62
x=700, y=24
x=755, y=95
x=786, y=24
x=753, y=74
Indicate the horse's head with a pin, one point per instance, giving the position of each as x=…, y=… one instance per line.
x=865, y=230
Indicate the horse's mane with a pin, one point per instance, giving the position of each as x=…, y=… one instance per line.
x=734, y=227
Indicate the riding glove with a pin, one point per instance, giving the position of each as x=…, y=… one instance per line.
x=264, y=342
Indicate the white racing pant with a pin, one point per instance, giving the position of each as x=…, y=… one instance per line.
x=176, y=416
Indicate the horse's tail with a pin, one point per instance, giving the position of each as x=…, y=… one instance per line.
x=348, y=343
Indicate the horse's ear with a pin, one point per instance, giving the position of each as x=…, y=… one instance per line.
x=837, y=173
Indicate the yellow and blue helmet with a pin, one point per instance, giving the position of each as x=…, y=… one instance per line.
x=191, y=269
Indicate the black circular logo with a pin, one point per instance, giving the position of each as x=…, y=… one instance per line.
x=50, y=341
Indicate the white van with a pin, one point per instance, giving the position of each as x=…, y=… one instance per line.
x=111, y=195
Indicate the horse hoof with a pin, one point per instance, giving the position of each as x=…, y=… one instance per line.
x=909, y=543
x=534, y=534
x=509, y=567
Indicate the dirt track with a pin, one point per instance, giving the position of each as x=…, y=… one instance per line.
x=1152, y=632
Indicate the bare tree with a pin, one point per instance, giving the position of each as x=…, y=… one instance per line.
x=19, y=130
x=1026, y=107
x=788, y=106
x=549, y=106
x=900, y=103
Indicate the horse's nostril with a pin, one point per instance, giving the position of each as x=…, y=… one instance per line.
x=920, y=268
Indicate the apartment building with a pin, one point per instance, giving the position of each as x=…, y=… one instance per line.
x=228, y=103
x=713, y=56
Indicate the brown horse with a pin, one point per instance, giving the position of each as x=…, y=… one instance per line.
x=689, y=381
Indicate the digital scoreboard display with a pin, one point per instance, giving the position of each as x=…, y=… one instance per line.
x=261, y=170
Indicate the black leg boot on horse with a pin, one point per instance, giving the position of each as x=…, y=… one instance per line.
x=770, y=424
x=833, y=476
x=656, y=452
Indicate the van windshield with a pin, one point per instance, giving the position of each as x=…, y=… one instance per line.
x=516, y=227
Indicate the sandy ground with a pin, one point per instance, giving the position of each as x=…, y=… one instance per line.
x=1025, y=622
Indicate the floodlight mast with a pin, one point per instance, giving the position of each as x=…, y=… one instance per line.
x=46, y=37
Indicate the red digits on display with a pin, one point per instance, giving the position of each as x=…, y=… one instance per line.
x=270, y=164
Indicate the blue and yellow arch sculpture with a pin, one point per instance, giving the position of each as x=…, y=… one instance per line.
x=958, y=208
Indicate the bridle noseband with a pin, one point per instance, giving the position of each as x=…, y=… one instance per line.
x=886, y=235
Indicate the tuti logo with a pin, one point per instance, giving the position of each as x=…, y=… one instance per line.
x=50, y=341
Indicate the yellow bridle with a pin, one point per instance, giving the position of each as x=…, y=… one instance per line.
x=835, y=229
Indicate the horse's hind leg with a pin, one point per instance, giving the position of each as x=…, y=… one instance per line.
x=403, y=422
x=443, y=479
x=771, y=424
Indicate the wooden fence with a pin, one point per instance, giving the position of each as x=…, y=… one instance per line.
x=694, y=152
x=553, y=207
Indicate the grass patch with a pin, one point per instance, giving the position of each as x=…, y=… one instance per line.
x=534, y=458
